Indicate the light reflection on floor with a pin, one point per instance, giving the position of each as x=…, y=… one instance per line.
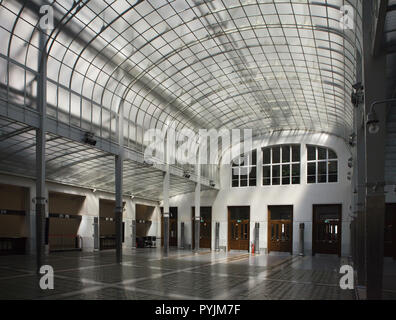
x=148, y=274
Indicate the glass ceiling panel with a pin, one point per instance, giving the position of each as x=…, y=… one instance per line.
x=266, y=65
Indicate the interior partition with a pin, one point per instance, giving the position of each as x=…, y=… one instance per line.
x=65, y=212
x=107, y=228
x=13, y=226
x=144, y=225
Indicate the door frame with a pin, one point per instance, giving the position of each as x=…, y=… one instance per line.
x=393, y=219
x=193, y=228
x=339, y=205
x=229, y=227
x=269, y=226
x=162, y=225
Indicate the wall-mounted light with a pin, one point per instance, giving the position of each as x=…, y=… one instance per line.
x=372, y=121
x=357, y=96
x=352, y=138
x=350, y=162
x=186, y=174
x=212, y=184
x=89, y=138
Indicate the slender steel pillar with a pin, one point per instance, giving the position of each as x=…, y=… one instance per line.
x=119, y=168
x=40, y=150
x=197, y=201
x=119, y=206
x=360, y=237
x=375, y=89
x=166, y=186
x=197, y=217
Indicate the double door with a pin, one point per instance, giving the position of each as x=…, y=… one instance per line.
x=239, y=234
x=280, y=228
x=390, y=231
x=326, y=229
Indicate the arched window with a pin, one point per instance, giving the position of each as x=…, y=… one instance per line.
x=322, y=165
x=244, y=170
x=281, y=165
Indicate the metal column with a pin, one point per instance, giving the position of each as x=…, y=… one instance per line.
x=166, y=186
x=257, y=237
x=197, y=218
x=182, y=241
x=133, y=233
x=40, y=150
x=375, y=89
x=217, y=236
x=119, y=159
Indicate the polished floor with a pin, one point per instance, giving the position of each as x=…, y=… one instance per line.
x=148, y=274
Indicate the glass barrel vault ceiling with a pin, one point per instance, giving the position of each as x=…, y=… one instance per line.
x=264, y=65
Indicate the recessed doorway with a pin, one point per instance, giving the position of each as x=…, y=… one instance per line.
x=327, y=229
x=238, y=228
x=280, y=228
x=172, y=226
x=390, y=231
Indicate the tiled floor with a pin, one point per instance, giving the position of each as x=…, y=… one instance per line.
x=148, y=274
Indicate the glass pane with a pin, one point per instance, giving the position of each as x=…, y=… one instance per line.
x=252, y=182
x=266, y=171
x=235, y=173
x=311, y=179
x=333, y=167
x=253, y=160
x=322, y=152
x=332, y=154
x=276, y=155
x=244, y=172
x=296, y=153
x=253, y=172
x=295, y=170
x=295, y=180
x=266, y=181
x=243, y=182
x=322, y=172
x=267, y=156
x=311, y=169
x=276, y=171
x=311, y=153
x=311, y=173
x=286, y=174
x=276, y=181
x=235, y=183
x=295, y=174
x=285, y=154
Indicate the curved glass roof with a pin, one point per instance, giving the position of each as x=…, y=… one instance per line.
x=265, y=65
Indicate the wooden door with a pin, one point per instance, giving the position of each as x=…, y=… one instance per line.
x=280, y=228
x=238, y=228
x=205, y=229
x=326, y=229
x=390, y=231
x=172, y=226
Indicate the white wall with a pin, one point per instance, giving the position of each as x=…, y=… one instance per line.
x=302, y=196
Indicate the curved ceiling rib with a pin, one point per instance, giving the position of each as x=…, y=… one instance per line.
x=264, y=65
